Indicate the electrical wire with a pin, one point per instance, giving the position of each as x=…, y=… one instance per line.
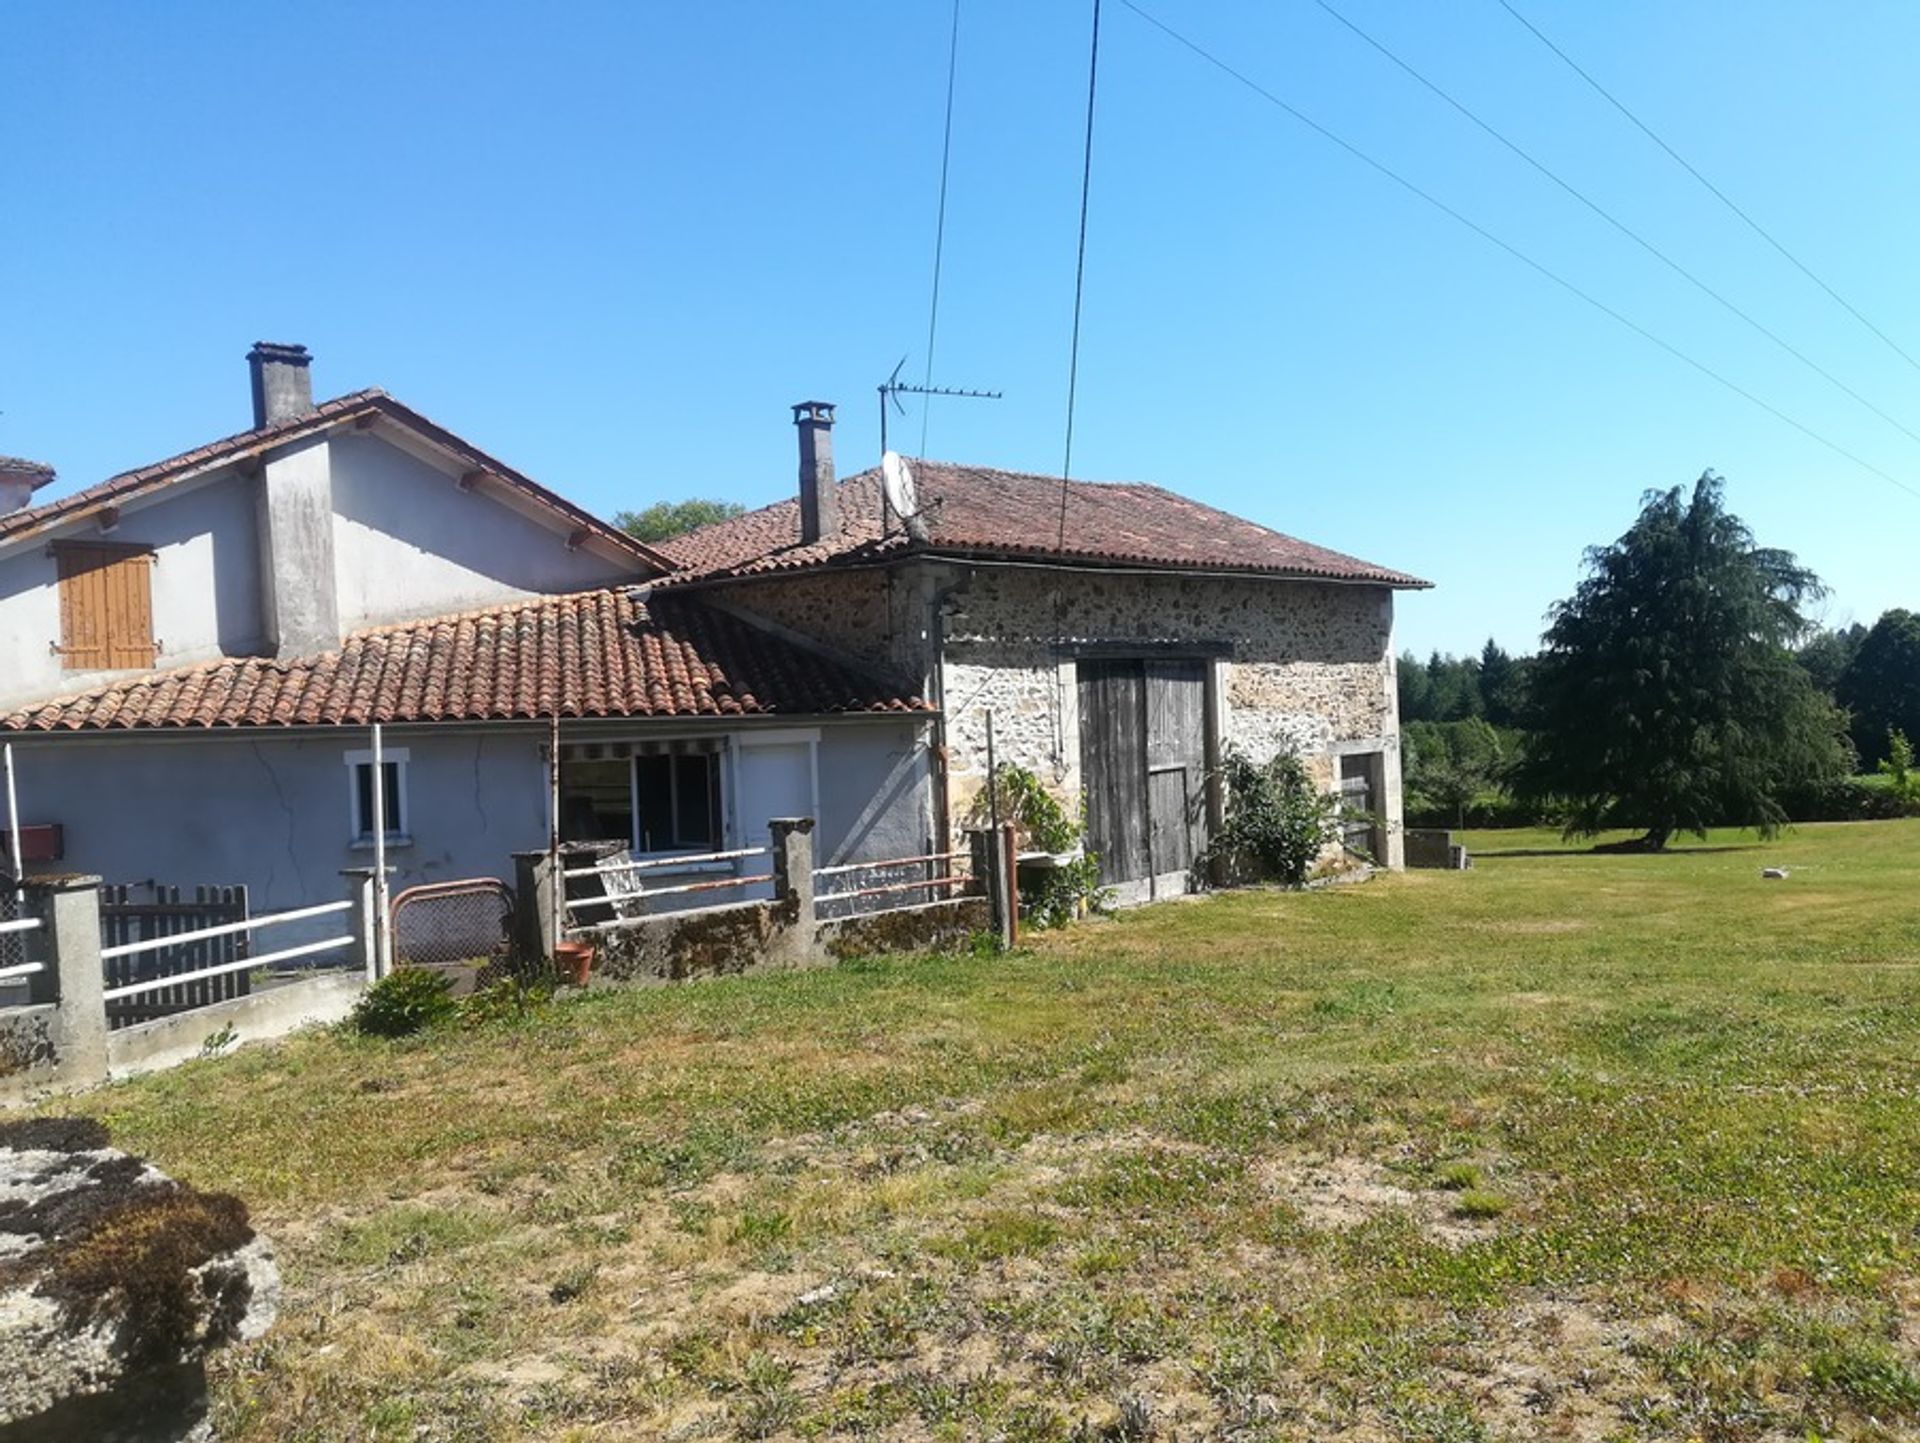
x=1514, y=251
x=1714, y=190
x=1080, y=269
x=1631, y=234
x=940, y=225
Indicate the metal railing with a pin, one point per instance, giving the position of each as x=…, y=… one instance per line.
x=624, y=895
x=944, y=879
x=249, y=925
x=16, y=974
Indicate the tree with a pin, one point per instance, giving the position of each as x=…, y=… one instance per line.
x=1451, y=764
x=1416, y=691
x=666, y=519
x=1829, y=654
x=1666, y=697
x=1881, y=685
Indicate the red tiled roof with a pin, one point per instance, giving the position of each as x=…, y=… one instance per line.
x=369, y=403
x=591, y=654
x=979, y=511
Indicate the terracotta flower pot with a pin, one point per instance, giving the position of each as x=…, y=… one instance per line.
x=574, y=961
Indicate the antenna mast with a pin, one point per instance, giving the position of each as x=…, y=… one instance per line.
x=893, y=388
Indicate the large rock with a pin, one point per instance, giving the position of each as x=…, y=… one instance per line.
x=115, y=1283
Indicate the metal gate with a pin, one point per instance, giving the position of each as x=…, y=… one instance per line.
x=449, y=922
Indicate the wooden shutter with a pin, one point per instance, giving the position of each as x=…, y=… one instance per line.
x=106, y=606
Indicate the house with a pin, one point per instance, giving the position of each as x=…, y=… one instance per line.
x=192, y=655
x=1120, y=637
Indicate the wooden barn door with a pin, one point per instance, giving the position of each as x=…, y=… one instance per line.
x=1143, y=762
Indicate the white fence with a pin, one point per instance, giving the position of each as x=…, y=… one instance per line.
x=14, y=976
x=250, y=963
x=625, y=892
x=941, y=880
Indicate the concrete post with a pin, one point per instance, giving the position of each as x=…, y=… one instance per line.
x=363, y=921
x=991, y=849
x=69, y=913
x=533, y=906
x=792, y=842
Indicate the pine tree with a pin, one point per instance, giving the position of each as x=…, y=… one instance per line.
x=1667, y=698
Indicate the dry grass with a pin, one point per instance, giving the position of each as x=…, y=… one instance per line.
x=1568, y=1146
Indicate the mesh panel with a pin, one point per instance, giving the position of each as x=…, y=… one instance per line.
x=452, y=922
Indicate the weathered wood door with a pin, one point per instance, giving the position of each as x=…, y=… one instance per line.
x=1143, y=763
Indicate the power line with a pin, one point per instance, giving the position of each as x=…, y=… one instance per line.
x=940, y=227
x=1713, y=189
x=1511, y=250
x=1648, y=246
x=1080, y=271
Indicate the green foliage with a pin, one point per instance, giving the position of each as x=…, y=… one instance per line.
x=1828, y=655
x=1050, y=897
x=1451, y=765
x=1277, y=823
x=407, y=1000
x=665, y=520
x=1666, y=698
x=1446, y=688
x=1897, y=767
x=510, y=999
x=1881, y=684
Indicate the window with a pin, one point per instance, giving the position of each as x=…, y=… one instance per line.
x=106, y=605
x=360, y=796
x=677, y=803
x=666, y=803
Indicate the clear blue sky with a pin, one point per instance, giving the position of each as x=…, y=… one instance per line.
x=611, y=243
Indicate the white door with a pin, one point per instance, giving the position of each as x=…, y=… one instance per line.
x=771, y=779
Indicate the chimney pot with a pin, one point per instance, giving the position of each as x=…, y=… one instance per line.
x=282, y=384
x=19, y=479
x=819, y=491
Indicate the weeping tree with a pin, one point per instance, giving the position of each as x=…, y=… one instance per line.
x=1667, y=697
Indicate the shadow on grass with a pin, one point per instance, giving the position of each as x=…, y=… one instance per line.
x=1602, y=850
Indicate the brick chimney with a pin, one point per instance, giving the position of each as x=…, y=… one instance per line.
x=282, y=385
x=19, y=480
x=819, y=492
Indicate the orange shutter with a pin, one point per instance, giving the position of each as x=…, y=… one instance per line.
x=106, y=607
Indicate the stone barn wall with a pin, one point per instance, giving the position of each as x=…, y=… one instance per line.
x=1300, y=664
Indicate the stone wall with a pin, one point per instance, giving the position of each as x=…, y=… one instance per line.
x=1297, y=664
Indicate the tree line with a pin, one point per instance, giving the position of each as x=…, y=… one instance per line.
x=1681, y=686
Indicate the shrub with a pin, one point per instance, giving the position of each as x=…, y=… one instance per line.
x=509, y=999
x=1050, y=897
x=1278, y=822
x=1897, y=767
x=405, y=1001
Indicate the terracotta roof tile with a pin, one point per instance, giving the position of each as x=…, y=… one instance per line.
x=977, y=510
x=594, y=653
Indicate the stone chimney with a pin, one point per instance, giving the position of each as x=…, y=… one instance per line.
x=282, y=385
x=19, y=480
x=819, y=492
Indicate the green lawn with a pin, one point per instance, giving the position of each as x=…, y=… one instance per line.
x=1566, y=1146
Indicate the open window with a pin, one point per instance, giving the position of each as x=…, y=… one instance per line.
x=106, y=606
x=657, y=803
x=393, y=801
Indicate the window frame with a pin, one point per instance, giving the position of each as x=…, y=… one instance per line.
x=362, y=840
x=717, y=787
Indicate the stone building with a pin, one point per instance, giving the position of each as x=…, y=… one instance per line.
x=1121, y=638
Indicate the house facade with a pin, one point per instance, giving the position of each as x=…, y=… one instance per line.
x=193, y=654
x=1119, y=639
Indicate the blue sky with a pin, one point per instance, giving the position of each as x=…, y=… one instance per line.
x=611, y=244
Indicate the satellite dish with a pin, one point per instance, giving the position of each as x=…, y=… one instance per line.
x=896, y=478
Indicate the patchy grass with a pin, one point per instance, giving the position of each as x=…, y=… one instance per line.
x=1602, y=1147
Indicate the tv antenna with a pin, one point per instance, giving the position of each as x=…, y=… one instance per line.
x=893, y=388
